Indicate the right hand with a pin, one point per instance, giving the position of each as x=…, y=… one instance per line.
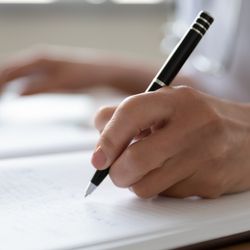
x=48, y=72
x=196, y=145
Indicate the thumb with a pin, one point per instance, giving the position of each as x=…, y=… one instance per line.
x=133, y=115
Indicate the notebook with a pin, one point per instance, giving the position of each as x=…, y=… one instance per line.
x=42, y=207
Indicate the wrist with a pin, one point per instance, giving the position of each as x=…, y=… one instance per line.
x=126, y=76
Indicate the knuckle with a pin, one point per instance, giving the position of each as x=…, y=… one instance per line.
x=218, y=123
x=215, y=123
x=101, y=117
x=117, y=178
x=177, y=193
x=184, y=92
x=127, y=111
x=127, y=169
x=185, y=97
x=212, y=188
x=141, y=191
x=129, y=103
x=107, y=142
x=211, y=194
x=165, y=95
x=133, y=159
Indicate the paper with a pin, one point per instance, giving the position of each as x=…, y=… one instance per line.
x=55, y=108
x=49, y=123
x=47, y=109
x=42, y=207
x=29, y=140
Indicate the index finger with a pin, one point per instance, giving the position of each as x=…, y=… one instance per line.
x=132, y=116
x=21, y=69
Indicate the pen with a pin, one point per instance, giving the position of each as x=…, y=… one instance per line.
x=168, y=71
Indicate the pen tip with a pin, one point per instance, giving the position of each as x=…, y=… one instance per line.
x=90, y=189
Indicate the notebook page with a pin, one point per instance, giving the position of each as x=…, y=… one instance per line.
x=42, y=207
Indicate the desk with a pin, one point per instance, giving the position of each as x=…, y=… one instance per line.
x=240, y=246
x=240, y=241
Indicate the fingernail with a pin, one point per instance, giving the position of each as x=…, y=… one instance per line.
x=99, y=158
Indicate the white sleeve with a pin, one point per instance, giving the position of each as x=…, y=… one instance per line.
x=216, y=63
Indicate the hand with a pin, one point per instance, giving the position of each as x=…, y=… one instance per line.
x=53, y=70
x=58, y=70
x=189, y=144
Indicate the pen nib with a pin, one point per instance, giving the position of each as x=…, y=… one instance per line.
x=90, y=189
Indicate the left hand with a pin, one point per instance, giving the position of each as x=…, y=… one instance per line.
x=189, y=144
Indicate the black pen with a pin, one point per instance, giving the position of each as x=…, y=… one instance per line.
x=168, y=72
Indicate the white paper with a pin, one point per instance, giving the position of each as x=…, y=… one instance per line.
x=42, y=207
x=47, y=109
x=29, y=140
x=55, y=108
x=49, y=123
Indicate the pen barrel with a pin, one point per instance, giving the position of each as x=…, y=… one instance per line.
x=153, y=86
x=175, y=61
x=99, y=176
x=179, y=56
x=181, y=52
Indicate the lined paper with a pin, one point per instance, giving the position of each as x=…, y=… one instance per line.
x=42, y=207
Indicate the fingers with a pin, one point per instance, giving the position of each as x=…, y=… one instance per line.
x=181, y=179
x=21, y=69
x=194, y=186
x=147, y=154
x=35, y=88
x=183, y=189
x=40, y=85
x=103, y=116
x=135, y=114
x=138, y=159
x=158, y=180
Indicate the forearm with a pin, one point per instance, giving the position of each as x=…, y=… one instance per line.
x=134, y=77
x=128, y=76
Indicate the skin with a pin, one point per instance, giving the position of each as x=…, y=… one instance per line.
x=54, y=70
x=185, y=142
